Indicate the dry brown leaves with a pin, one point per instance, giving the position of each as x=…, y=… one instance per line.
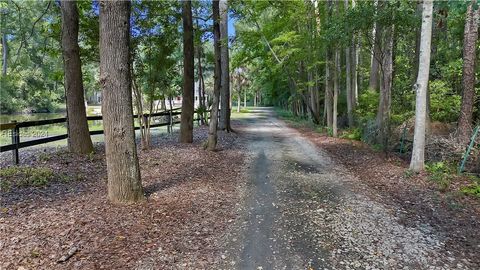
x=191, y=195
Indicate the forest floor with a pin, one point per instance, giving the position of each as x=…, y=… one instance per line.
x=69, y=224
x=272, y=197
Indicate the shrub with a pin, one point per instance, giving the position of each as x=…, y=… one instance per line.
x=27, y=177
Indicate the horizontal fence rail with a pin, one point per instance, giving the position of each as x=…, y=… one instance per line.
x=15, y=128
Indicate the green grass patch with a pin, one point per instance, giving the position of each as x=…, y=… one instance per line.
x=28, y=177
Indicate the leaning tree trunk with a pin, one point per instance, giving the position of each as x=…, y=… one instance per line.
x=418, y=151
x=124, y=184
x=225, y=80
x=186, y=120
x=79, y=140
x=212, y=131
x=468, y=78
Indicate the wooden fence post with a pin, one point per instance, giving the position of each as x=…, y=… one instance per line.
x=15, y=141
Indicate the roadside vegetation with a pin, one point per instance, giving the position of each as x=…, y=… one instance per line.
x=443, y=175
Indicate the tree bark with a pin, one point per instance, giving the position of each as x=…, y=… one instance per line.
x=336, y=74
x=4, y=54
x=376, y=58
x=245, y=99
x=186, y=119
x=348, y=86
x=355, y=52
x=201, y=96
x=124, y=184
x=418, y=12
x=225, y=80
x=212, y=131
x=386, y=71
x=79, y=140
x=239, y=101
x=468, y=76
x=328, y=90
x=418, y=151
x=349, y=78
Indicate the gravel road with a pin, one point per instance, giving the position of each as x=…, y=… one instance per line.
x=304, y=211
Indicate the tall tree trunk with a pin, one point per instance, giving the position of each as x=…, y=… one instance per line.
x=4, y=54
x=336, y=74
x=79, y=140
x=245, y=99
x=468, y=77
x=348, y=86
x=186, y=119
x=201, y=97
x=328, y=90
x=225, y=80
x=418, y=12
x=386, y=71
x=239, y=101
x=376, y=58
x=355, y=52
x=124, y=184
x=212, y=131
x=348, y=78
x=418, y=151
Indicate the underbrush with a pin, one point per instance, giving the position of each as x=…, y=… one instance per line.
x=352, y=134
x=21, y=177
x=295, y=120
x=474, y=188
x=441, y=173
x=444, y=175
x=441, y=169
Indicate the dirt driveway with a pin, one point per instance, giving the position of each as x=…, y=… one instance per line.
x=305, y=211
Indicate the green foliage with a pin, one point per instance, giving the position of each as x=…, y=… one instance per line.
x=34, y=63
x=441, y=173
x=473, y=189
x=25, y=177
x=367, y=105
x=352, y=134
x=444, y=103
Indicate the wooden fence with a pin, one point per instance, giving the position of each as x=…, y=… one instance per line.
x=15, y=129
